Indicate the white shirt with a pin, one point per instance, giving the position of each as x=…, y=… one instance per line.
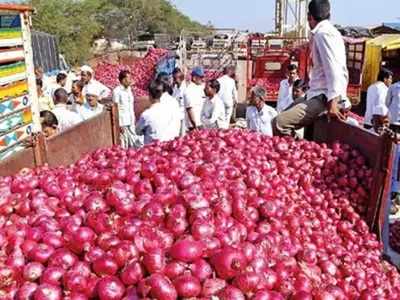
x=178, y=94
x=53, y=88
x=393, y=103
x=194, y=98
x=329, y=74
x=153, y=124
x=213, y=113
x=88, y=112
x=228, y=92
x=261, y=121
x=124, y=98
x=376, y=95
x=174, y=115
x=285, y=97
x=101, y=89
x=66, y=118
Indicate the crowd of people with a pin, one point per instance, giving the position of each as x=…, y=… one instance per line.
x=178, y=106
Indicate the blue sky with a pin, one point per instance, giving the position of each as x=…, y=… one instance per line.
x=258, y=15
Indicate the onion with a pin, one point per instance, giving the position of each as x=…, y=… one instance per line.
x=132, y=274
x=201, y=269
x=187, y=286
x=186, y=250
x=228, y=262
x=231, y=293
x=47, y=291
x=161, y=287
x=105, y=265
x=211, y=287
x=33, y=271
x=110, y=288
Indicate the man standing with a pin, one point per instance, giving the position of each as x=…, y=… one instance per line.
x=393, y=103
x=87, y=77
x=228, y=93
x=376, y=95
x=123, y=96
x=194, y=99
x=259, y=115
x=213, y=113
x=328, y=78
x=45, y=102
x=153, y=123
x=66, y=118
x=285, y=98
x=179, y=87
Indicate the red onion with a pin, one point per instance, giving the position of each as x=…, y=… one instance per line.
x=161, y=287
x=187, y=286
x=186, y=250
x=110, y=288
x=33, y=271
x=47, y=291
x=228, y=262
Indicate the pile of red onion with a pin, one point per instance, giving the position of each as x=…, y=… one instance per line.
x=142, y=71
x=225, y=215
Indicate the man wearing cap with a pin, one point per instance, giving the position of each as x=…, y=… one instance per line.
x=66, y=118
x=87, y=77
x=380, y=119
x=228, y=93
x=259, y=115
x=91, y=107
x=194, y=99
x=328, y=78
x=345, y=108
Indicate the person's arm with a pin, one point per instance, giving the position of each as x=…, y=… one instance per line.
x=279, y=103
x=335, y=79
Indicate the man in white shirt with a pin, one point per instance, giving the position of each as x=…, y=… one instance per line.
x=153, y=123
x=213, y=114
x=259, y=115
x=228, y=93
x=91, y=107
x=376, y=95
x=61, y=81
x=123, y=96
x=87, y=77
x=194, y=99
x=393, y=104
x=172, y=109
x=66, y=118
x=328, y=78
x=179, y=87
x=285, y=97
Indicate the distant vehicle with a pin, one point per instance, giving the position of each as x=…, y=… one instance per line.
x=144, y=42
x=199, y=44
x=222, y=41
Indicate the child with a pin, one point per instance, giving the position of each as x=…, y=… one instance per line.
x=49, y=123
x=213, y=112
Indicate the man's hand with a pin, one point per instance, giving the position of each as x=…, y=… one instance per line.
x=334, y=111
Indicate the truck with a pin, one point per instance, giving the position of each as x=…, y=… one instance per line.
x=22, y=143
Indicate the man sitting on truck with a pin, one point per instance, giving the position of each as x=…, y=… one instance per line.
x=259, y=115
x=285, y=98
x=228, y=93
x=66, y=118
x=87, y=77
x=329, y=75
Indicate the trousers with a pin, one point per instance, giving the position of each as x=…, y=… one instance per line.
x=300, y=114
